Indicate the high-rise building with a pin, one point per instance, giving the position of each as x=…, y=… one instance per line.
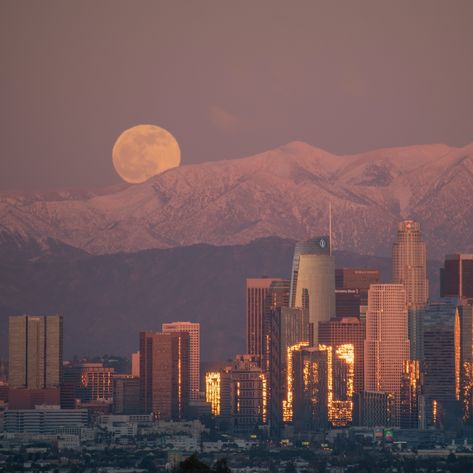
x=351, y=289
x=86, y=383
x=249, y=394
x=164, y=374
x=456, y=277
x=126, y=394
x=386, y=343
x=288, y=329
x=310, y=370
x=410, y=269
x=410, y=395
x=466, y=361
x=193, y=329
x=440, y=356
x=347, y=330
x=313, y=281
x=35, y=351
x=410, y=263
x=257, y=290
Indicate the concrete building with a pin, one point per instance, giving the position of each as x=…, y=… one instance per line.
x=387, y=343
x=44, y=420
x=35, y=351
x=193, y=329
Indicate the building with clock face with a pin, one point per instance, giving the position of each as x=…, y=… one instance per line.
x=313, y=281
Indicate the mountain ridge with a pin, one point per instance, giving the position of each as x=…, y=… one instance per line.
x=282, y=192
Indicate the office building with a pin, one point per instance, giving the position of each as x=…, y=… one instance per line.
x=351, y=289
x=440, y=357
x=373, y=409
x=386, y=343
x=35, y=351
x=410, y=263
x=135, y=364
x=126, y=394
x=288, y=329
x=165, y=374
x=456, y=277
x=249, y=394
x=313, y=281
x=310, y=389
x=44, y=420
x=85, y=383
x=193, y=329
x=347, y=330
x=411, y=395
x=257, y=290
x=466, y=361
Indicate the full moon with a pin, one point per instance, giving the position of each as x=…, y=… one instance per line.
x=144, y=151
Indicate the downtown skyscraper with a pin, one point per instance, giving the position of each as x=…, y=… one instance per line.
x=410, y=263
x=409, y=260
x=387, y=343
x=313, y=281
x=257, y=292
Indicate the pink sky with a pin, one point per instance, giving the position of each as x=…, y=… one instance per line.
x=228, y=79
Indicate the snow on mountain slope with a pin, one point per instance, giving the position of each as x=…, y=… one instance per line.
x=283, y=192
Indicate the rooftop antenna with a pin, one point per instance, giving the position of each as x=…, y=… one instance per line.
x=330, y=226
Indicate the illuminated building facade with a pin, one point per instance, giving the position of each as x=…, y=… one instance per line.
x=35, y=351
x=135, y=364
x=313, y=281
x=456, y=277
x=347, y=330
x=410, y=395
x=466, y=361
x=213, y=390
x=287, y=328
x=249, y=394
x=165, y=374
x=351, y=290
x=440, y=356
x=386, y=343
x=85, y=383
x=193, y=329
x=310, y=367
x=257, y=290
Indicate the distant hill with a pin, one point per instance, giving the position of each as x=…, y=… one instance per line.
x=107, y=299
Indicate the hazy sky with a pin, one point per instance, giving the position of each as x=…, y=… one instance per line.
x=227, y=78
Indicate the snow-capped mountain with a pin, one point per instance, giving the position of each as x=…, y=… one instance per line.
x=284, y=192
